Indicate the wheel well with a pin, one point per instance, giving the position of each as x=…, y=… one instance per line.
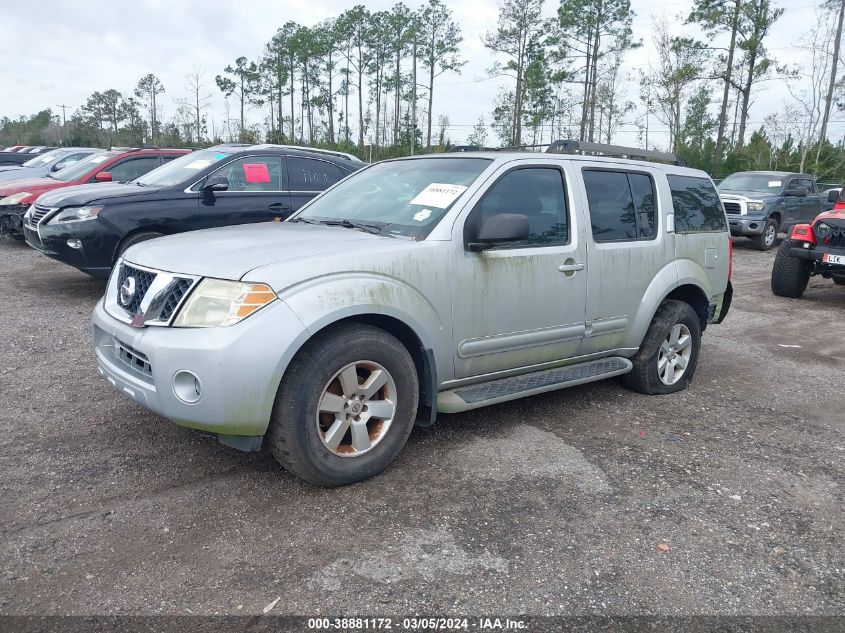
x=423, y=359
x=694, y=296
x=776, y=217
x=142, y=229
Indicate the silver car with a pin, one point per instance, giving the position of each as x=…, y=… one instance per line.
x=416, y=286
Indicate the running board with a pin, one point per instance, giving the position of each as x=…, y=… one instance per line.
x=504, y=389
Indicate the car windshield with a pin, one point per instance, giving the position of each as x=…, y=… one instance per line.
x=399, y=197
x=182, y=169
x=43, y=159
x=78, y=170
x=762, y=183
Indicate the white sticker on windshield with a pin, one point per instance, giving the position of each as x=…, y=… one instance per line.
x=438, y=195
x=198, y=164
x=775, y=183
x=99, y=159
x=423, y=215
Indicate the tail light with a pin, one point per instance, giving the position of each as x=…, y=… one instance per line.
x=730, y=257
x=839, y=205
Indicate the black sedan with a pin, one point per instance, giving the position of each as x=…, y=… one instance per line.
x=90, y=226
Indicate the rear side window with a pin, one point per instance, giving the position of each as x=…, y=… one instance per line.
x=697, y=206
x=622, y=205
x=312, y=175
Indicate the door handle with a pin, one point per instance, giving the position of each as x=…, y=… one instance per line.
x=279, y=206
x=570, y=268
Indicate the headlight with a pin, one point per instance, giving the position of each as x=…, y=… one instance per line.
x=15, y=198
x=821, y=229
x=76, y=214
x=221, y=303
x=755, y=205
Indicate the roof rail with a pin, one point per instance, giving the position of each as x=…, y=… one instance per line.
x=570, y=146
x=471, y=148
x=317, y=150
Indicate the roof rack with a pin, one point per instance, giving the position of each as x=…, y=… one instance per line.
x=571, y=147
x=317, y=150
x=471, y=148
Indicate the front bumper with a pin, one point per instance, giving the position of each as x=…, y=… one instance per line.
x=11, y=219
x=238, y=367
x=816, y=253
x=97, y=246
x=745, y=225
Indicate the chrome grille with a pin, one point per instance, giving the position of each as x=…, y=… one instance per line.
x=38, y=214
x=178, y=288
x=143, y=281
x=733, y=208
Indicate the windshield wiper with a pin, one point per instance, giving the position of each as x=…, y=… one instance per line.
x=306, y=220
x=370, y=227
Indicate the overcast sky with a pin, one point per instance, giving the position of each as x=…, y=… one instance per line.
x=59, y=52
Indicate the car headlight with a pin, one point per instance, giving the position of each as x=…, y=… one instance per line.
x=76, y=214
x=755, y=205
x=821, y=229
x=216, y=302
x=15, y=198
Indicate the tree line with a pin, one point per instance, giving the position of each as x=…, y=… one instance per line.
x=367, y=82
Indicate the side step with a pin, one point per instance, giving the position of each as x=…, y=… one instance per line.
x=504, y=389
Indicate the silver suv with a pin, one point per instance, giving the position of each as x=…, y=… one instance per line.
x=416, y=286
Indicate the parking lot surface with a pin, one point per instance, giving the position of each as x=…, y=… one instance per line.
x=724, y=499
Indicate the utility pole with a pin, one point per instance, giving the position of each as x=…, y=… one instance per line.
x=64, y=121
x=414, y=99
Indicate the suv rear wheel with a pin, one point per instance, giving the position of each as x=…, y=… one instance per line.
x=790, y=274
x=668, y=355
x=346, y=406
x=768, y=237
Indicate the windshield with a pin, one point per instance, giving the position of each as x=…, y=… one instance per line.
x=182, y=169
x=43, y=159
x=399, y=197
x=78, y=170
x=762, y=183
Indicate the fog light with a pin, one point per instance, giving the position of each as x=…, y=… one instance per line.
x=187, y=386
x=753, y=226
x=77, y=244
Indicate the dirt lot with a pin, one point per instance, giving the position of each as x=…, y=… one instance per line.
x=552, y=505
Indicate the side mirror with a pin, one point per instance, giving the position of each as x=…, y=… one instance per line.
x=833, y=196
x=798, y=192
x=212, y=184
x=103, y=176
x=500, y=229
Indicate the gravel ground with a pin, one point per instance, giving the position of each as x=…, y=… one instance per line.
x=724, y=499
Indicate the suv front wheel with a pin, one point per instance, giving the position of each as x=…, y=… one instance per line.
x=346, y=406
x=668, y=355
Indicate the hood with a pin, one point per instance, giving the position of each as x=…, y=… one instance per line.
x=746, y=195
x=231, y=252
x=833, y=214
x=33, y=185
x=5, y=168
x=85, y=194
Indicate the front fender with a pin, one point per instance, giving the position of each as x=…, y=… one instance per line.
x=325, y=300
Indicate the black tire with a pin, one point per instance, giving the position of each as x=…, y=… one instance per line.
x=768, y=238
x=839, y=281
x=294, y=434
x=135, y=238
x=790, y=274
x=644, y=377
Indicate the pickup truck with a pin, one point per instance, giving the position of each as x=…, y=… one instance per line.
x=761, y=204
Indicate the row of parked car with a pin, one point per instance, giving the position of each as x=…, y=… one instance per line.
x=355, y=301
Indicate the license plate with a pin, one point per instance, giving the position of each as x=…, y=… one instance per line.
x=827, y=258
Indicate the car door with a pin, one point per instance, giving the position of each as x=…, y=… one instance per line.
x=130, y=168
x=521, y=304
x=309, y=176
x=793, y=206
x=811, y=204
x=628, y=247
x=256, y=193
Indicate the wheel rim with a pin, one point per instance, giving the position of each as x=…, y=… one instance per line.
x=673, y=358
x=771, y=233
x=356, y=408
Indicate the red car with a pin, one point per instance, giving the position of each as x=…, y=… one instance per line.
x=107, y=166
